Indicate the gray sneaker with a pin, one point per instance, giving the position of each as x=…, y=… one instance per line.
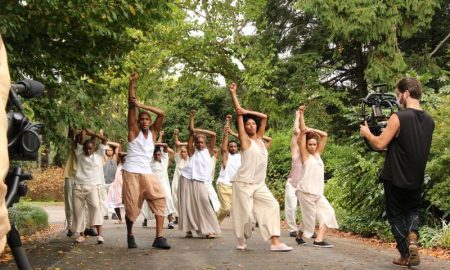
x=322, y=244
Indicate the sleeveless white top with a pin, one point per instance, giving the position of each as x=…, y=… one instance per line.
x=313, y=180
x=228, y=173
x=139, y=154
x=253, y=164
x=199, y=166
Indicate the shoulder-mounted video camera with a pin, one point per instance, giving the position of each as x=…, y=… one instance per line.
x=23, y=135
x=376, y=108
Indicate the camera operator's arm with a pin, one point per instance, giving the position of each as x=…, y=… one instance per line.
x=381, y=142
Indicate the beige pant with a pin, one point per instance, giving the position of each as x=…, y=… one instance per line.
x=290, y=207
x=225, y=194
x=4, y=160
x=138, y=187
x=254, y=199
x=313, y=206
x=68, y=202
x=103, y=193
x=85, y=195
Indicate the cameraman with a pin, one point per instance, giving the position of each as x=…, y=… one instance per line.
x=407, y=138
x=4, y=159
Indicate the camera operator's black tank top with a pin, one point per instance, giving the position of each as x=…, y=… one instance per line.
x=407, y=153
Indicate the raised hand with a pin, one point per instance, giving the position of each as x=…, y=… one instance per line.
x=232, y=87
x=302, y=108
x=133, y=77
x=161, y=133
x=240, y=111
x=176, y=131
x=228, y=119
x=132, y=101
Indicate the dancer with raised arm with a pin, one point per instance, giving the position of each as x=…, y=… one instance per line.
x=231, y=161
x=181, y=160
x=139, y=183
x=196, y=213
x=290, y=197
x=87, y=182
x=311, y=188
x=250, y=193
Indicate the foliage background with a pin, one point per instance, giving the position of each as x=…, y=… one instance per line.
x=282, y=53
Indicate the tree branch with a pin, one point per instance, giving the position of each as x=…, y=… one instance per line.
x=440, y=44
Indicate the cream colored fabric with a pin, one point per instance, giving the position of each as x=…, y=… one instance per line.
x=5, y=82
x=180, y=164
x=71, y=164
x=196, y=213
x=199, y=166
x=290, y=206
x=254, y=199
x=312, y=181
x=85, y=195
x=138, y=187
x=225, y=193
x=315, y=206
x=253, y=164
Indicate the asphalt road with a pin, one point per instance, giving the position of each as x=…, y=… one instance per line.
x=60, y=252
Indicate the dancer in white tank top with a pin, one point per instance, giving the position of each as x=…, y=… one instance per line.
x=139, y=183
x=231, y=161
x=250, y=193
x=310, y=192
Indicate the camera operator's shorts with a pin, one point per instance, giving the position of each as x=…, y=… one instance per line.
x=138, y=187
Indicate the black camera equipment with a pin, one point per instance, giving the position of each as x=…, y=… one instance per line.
x=376, y=108
x=23, y=144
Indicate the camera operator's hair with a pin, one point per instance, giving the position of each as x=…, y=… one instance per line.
x=312, y=135
x=412, y=85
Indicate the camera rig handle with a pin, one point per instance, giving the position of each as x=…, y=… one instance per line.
x=382, y=106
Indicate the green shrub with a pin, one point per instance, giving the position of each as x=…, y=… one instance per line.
x=279, y=164
x=444, y=238
x=439, y=162
x=29, y=219
x=428, y=236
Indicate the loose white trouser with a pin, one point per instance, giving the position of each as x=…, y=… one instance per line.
x=86, y=195
x=68, y=202
x=313, y=206
x=103, y=194
x=290, y=207
x=212, y=195
x=257, y=200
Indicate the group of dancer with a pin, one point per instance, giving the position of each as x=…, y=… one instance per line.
x=190, y=200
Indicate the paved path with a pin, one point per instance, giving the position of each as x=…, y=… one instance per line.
x=200, y=253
